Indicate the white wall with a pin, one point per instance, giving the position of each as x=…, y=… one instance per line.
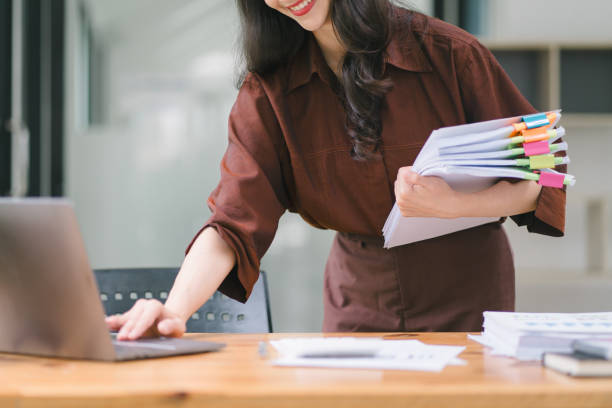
x=424, y=6
x=546, y=21
x=589, y=147
x=140, y=182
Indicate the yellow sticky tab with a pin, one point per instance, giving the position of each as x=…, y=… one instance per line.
x=544, y=161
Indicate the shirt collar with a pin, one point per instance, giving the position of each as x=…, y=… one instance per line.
x=403, y=51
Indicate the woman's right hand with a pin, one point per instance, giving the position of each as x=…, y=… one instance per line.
x=147, y=318
x=208, y=262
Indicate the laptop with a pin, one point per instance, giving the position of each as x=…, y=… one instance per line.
x=49, y=301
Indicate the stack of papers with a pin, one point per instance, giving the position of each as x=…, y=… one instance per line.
x=473, y=157
x=526, y=336
x=371, y=353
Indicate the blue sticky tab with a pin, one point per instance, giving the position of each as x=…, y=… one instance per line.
x=536, y=120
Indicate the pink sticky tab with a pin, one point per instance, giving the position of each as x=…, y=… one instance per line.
x=551, y=179
x=536, y=148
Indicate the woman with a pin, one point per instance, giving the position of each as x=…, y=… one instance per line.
x=339, y=97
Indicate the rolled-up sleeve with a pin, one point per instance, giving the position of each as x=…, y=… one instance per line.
x=488, y=93
x=251, y=195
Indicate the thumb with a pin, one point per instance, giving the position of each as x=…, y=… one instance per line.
x=171, y=327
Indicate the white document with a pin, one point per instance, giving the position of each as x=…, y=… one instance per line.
x=546, y=323
x=526, y=336
x=375, y=354
x=496, y=154
x=399, y=230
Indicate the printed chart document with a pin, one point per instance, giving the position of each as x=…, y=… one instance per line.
x=473, y=157
x=350, y=352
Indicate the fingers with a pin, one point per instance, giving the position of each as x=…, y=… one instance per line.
x=402, y=190
x=409, y=186
x=408, y=176
x=142, y=319
x=151, y=312
x=115, y=322
x=132, y=317
x=405, y=183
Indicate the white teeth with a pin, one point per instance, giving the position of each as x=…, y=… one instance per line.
x=301, y=5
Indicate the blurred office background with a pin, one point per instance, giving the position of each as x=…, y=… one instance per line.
x=122, y=106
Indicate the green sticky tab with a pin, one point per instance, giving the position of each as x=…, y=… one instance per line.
x=545, y=161
x=523, y=162
x=527, y=175
x=517, y=139
x=517, y=151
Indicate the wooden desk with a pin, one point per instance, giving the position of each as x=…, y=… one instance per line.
x=237, y=376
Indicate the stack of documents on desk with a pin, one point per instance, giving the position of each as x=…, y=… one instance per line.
x=371, y=353
x=527, y=336
x=473, y=157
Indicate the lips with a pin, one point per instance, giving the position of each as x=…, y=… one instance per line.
x=301, y=7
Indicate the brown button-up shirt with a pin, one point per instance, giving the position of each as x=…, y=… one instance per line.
x=289, y=150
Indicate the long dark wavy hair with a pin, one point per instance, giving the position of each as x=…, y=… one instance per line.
x=364, y=27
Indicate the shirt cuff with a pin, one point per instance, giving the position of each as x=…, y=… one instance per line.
x=549, y=216
x=240, y=281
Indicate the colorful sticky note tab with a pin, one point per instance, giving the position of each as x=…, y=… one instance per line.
x=535, y=131
x=537, y=137
x=551, y=179
x=545, y=161
x=536, y=120
x=536, y=148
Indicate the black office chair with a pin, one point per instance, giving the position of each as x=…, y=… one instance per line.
x=120, y=288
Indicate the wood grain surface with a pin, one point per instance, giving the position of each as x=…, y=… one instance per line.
x=238, y=376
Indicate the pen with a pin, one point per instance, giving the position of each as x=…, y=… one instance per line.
x=262, y=349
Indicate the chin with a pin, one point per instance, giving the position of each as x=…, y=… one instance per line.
x=311, y=22
x=314, y=26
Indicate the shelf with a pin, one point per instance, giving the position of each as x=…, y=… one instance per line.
x=549, y=74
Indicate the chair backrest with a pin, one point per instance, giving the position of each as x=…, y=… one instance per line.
x=120, y=288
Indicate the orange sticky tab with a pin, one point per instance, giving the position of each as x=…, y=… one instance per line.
x=536, y=138
x=552, y=116
x=518, y=127
x=534, y=131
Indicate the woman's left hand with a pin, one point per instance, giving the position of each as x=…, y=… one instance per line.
x=424, y=196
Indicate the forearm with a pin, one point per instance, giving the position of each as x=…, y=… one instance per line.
x=500, y=200
x=206, y=265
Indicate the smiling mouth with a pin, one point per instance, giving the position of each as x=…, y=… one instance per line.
x=301, y=7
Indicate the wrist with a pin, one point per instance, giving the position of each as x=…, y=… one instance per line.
x=177, y=310
x=460, y=205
